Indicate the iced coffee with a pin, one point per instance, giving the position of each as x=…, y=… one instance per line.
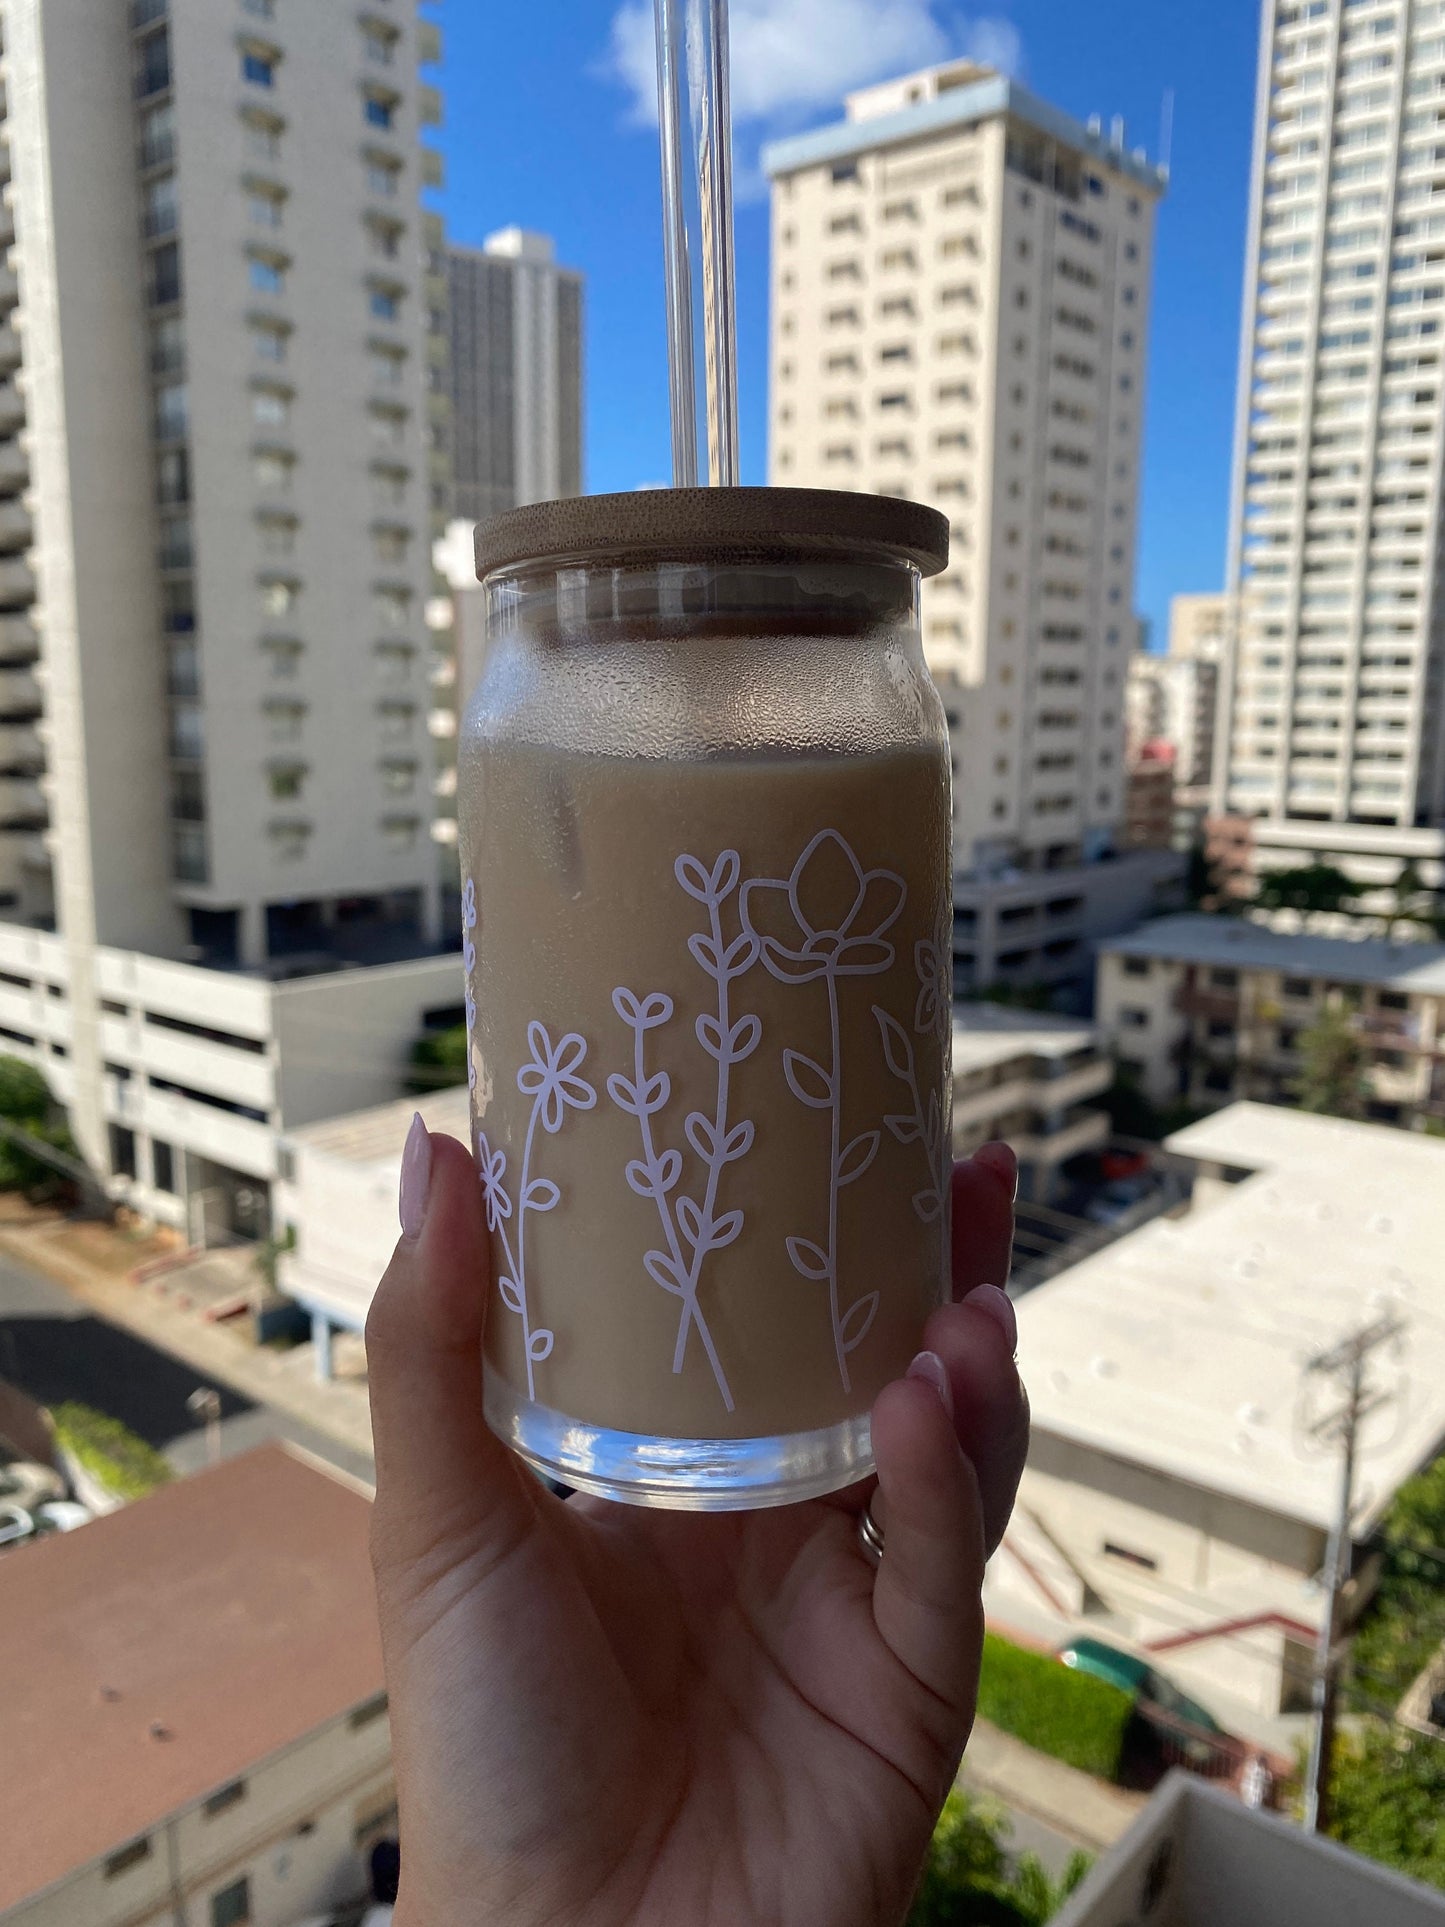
x=705, y=816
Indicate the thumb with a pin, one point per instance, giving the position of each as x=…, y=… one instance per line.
x=446, y=1487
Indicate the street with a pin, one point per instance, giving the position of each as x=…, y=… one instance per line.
x=54, y=1347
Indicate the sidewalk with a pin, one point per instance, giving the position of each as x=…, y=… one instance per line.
x=94, y=1263
x=1086, y=1810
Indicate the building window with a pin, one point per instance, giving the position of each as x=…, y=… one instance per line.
x=165, y=275
x=1132, y=1018
x=258, y=67
x=399, y=832
x=380, y=44
x=158, y=135
x=227, y=1797
x=393, y=607
x=273, y=470
x=389, y=485
x=263, y=9
x=268, y=338
x=126, y=1857
x=387, y=365
x=279, y=598
x=163, y=1165
x=171, y=411
x=231, y=1907
x=271, y=407
x=286, y=780
x=173, y=477
x=284, y=718
x=388, y=425
x=263, y=203
x=1130, y=1557
x=1224, y=979
x=378, y=110
x=266, y=273
x=153, y=64
x=383, y=175
x=263, y=135
x=161, y=211
x=390, y=544
x=278, y=534
x=384, y=303
x=398, y=775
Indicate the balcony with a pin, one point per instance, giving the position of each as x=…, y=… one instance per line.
x=9, y=349
x=17, y=585
x=20, y=697
x=22, y=805
x=9, y=289
x=433, y=169
x=14, y=469
x=16, y=532
x=19, y=642
x=1210, y=1006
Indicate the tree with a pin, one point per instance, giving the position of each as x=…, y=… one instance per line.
x=1332, y=1075
x=1312, y=890
x=1414, y=901
x=25, y=1101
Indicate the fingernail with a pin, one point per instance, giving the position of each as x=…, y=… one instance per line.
x=998, y=1306
x=998, y=1158
x=931, y=1369
x=415, y=1179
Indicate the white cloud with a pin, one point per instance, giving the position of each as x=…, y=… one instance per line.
x=793, y=58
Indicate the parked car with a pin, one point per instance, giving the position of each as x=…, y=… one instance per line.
x=1166, y=1711
x=1116, y=1200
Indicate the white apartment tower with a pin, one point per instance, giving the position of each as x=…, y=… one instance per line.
x=1332, y=727
x=516, y=375
x=223, y=302
x=960, y=292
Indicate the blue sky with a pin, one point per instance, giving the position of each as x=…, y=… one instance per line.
x=541, y=131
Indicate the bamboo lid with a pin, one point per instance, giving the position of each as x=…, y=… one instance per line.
x=716, y=526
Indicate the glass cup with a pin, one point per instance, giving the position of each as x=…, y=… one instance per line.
x=704, y=811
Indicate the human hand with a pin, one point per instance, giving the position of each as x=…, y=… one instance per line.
x=606, y=1714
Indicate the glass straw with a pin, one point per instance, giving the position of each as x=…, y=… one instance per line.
x=697, y=215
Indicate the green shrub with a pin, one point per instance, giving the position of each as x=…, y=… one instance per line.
x=24, y=1094
x=1079, y=1719
x=972, y=1880
x=439, y=1059
x=123, y=1463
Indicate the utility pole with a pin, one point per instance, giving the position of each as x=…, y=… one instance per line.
x=1345, y=1364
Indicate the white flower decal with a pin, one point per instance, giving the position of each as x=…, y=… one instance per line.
x=551, y=1076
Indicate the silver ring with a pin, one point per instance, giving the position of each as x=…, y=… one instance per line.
x=870, y=1534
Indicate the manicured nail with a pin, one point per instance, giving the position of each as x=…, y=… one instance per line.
x=931, y=1369
x=998, y=1306
x=415, y=1179
x=998, y=1158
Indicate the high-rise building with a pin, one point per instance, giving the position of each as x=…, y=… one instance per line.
x=1198, y=626
x=960, y=298
x=1332, y=731
x=1171, y=699
x=222, y=305
x=960, y=301
x=516, y=375
x=223, y=325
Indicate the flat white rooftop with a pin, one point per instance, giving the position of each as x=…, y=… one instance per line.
x=1234, y=943
x=988, y=1034
x=376, y=1137
x=1180, y=1347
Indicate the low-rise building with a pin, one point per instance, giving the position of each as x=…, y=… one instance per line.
x=1028, y=1078
x=1021, y=927
x=194, y=1712
x=203, y=1068
x=1017, y=1074
x=1197, y=1857
x=1175, y=1500
x=1207, y=1008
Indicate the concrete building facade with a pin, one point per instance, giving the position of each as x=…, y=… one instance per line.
x=1207, y=1009
x=202, y=1069
x=516, y=375
x=1173, y=699
x=222, y=289
x=960, y=298
x=1332, y=706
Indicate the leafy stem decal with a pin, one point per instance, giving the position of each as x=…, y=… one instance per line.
x=550, y=1078
x=692, y=1226
x=923, y=1122
x=827, y=920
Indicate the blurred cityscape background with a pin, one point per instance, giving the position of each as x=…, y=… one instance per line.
x=262, y=366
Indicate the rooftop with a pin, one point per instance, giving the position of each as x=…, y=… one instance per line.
x=1180, y=1346
x=958, y=94
x=1241, y=945
x=158, y=1653
x=376, y=1137
x=988, y=1034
